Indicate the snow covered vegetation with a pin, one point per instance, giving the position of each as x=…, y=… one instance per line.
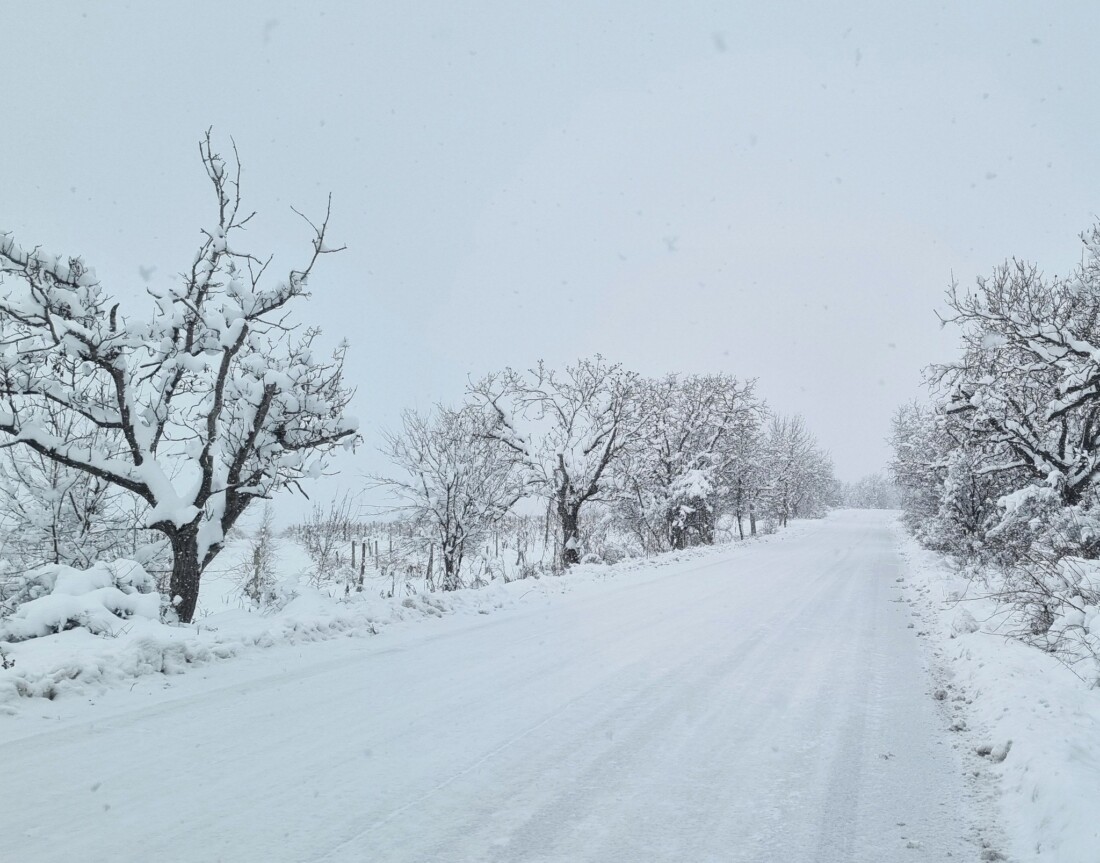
x=1000, y=478
x=99, y=599
x=622, y=465
x=1001, y=470
x=135, y=440
x=193, y=410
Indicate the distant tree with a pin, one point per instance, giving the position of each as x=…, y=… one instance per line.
x=798, y=475
x=692, y=457
x=50, y=513
x=206, y=405
x=459, y=479
x=746, y=476
x=920, y=446
x=567, y=429
x=874, y=491
x=325, y=531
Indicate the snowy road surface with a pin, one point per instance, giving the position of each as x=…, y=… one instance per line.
x=769, y=707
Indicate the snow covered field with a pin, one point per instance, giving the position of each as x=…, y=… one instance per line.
x=762, y=703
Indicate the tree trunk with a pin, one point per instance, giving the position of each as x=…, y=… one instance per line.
x=706, y=523
x=183, y=586
x=740, y=508
x=674, y=530
x=570, y=540
x=450, y=566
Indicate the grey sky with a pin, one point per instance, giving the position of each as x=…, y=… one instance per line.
x=775, y=190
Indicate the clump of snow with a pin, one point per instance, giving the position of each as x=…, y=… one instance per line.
x=964, y=623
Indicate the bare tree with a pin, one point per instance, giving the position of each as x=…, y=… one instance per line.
x=460, y=479
x=212, y=399
x=325, y=531
x=567, y=429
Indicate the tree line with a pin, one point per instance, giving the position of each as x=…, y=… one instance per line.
x=663, y=458
x=147, y=432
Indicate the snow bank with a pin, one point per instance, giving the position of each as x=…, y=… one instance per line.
x=1026, y=718
x=100, y=628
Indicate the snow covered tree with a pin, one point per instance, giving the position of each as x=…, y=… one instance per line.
x=798, y=475
x=920, y=447
x=567, y=429
x=208, y=403
x=1022, y=403
x=1005, y=470
x=691, y=458
x=874, y=491
x=1028, y=378
x=460, y=479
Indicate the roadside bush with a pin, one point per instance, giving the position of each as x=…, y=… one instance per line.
x=1056, y=603
x=100, y=599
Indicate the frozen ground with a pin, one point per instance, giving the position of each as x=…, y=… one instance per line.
x=765, y=703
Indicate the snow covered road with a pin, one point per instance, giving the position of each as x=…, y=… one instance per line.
x=772, y=706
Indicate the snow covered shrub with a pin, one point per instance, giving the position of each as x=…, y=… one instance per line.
x=257, y=569
x=99, y=599
x=1057, y=607
x=280, y=594
x=966, y=507
x=483, y=571
x=1074, y=631
x=1037, y=518
x=604, y=537
x=609, y=547
x=536, y=570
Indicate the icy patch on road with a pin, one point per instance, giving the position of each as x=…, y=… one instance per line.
x=1024, y=719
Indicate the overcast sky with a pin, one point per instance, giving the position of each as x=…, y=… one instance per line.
x=776, y=190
